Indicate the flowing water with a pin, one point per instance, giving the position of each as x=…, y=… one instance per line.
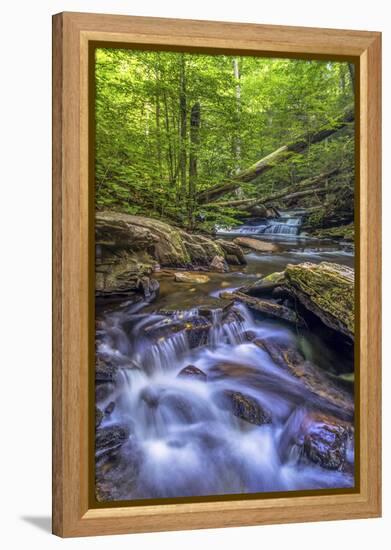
x=288, y=224
x=184, y=440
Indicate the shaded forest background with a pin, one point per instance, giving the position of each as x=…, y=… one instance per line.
x=179, y=137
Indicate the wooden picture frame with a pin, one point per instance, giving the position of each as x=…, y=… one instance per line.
x=73, y=34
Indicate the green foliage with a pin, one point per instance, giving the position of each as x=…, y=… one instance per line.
x=143, y=97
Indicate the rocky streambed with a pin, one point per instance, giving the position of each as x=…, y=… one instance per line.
x=220, y=368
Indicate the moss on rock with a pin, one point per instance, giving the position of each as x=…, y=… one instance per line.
x=344, y=232
x=327, y=290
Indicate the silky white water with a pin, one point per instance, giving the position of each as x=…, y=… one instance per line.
x=183, y=436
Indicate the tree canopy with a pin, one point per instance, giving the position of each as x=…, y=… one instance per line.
x=170, y=126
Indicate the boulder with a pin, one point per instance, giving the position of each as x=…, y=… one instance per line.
x=328, y=395
x=319, y=438
x=247, y=408
x=109, y=438
x=267, y=307
x=104, y=371
x=327, y=290
x=192, y=372
x=325, y=442
x=117, y=471
x=255, y=244
x=232, y=252
x=264, y=286
x=219, y=264
x=195, y=327
x=128, y=249
x=191, y=278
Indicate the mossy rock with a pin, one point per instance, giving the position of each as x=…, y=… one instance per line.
x=130, y=248
x=343, y=232
x=327, y=290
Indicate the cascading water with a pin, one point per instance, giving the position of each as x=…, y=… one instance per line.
x=183, y=438
x=284, y=225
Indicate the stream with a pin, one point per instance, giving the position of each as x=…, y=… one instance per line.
x=183, y=439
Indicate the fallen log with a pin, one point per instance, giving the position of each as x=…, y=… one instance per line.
x=247, y=204
x=279, y=155
x=308, y=183
x=299, y=194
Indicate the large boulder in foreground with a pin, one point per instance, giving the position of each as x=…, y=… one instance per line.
x=327, y=290
x=319, y=438
x=129, y=248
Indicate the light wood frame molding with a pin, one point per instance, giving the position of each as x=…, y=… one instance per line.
x=72, y=237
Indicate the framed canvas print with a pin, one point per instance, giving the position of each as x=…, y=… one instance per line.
x=216, y=229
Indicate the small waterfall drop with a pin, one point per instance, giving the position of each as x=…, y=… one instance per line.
x=285, y=225
x=183, y=435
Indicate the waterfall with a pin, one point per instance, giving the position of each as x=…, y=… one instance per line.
x=184, y=435
x=285, y=225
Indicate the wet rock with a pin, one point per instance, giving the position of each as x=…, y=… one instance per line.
x=233, y=370
x=192, y=278
x=283, y=355
x=219, y=264
x=325, y=441
x=123, y=272
x=109, y=438
x=197, y=331
x=327, y=290
x=213, y=306
x=264, y=286
x=110, y=408
x=247, y=408
x=204, y=305
x=325, y=444
x=255, y=244
x=232, y=252
x=103, y=390
x=319, y=438
x=117, y=471
x=104, y=371
x=328, y=394
x=192, y=372
x=195, y=327
x=267, y=307
x=98, y=417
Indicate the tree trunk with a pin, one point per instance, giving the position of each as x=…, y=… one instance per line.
x=182, y=127
x=273, y=159
x=352, y=75
x=195, y=122
x=299, y=194
x=157, y=119
x=237, y=143
x=170, y=160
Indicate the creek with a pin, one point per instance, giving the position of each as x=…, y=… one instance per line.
x=186, y=438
